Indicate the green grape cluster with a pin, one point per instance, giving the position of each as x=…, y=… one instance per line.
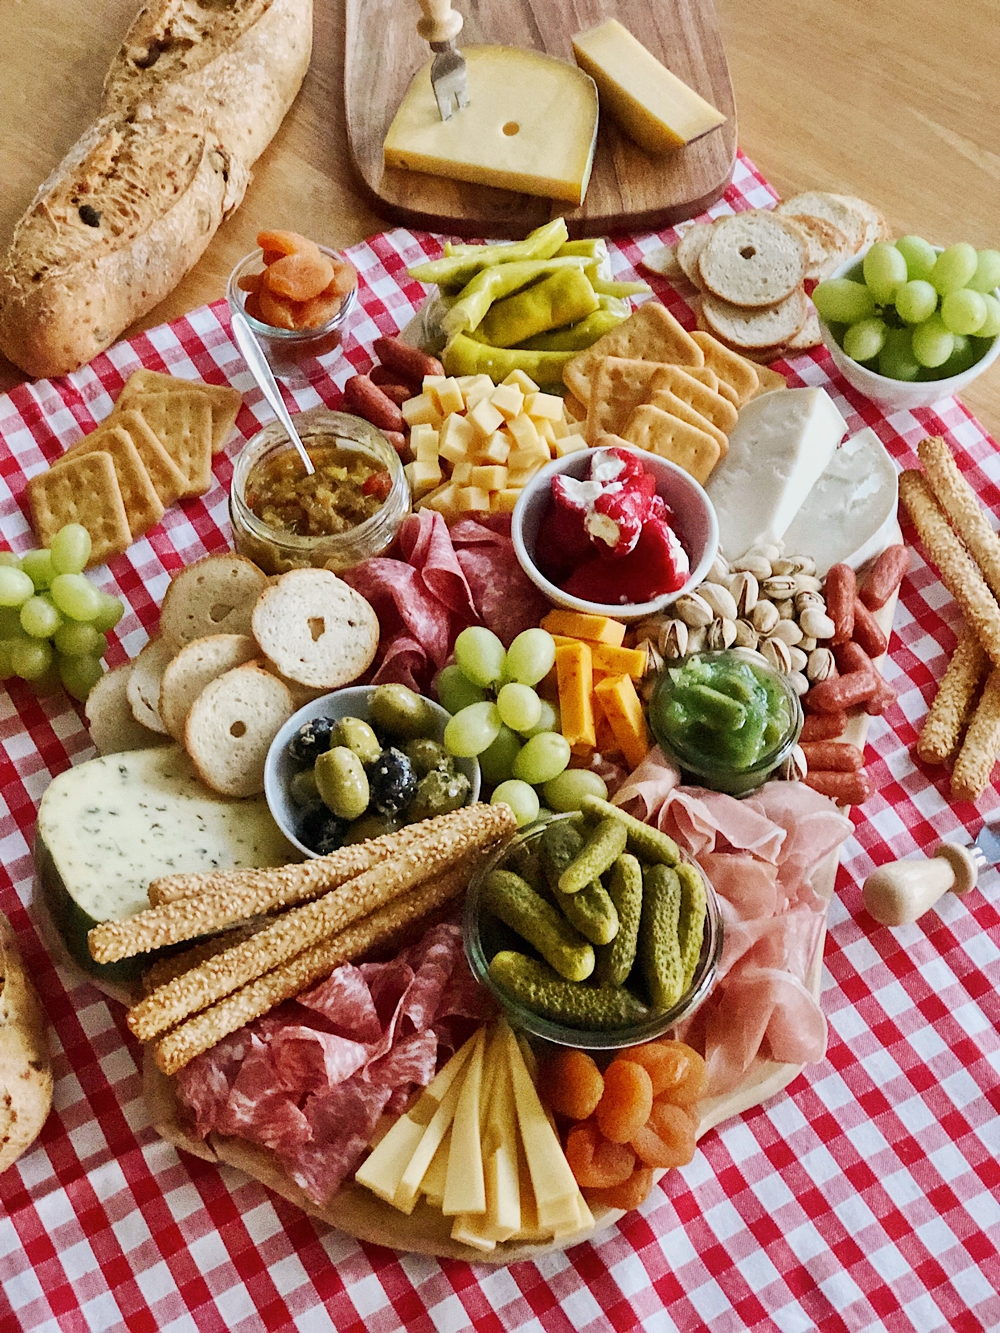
x=914, y=314
x=498, y=716
x=53, y=621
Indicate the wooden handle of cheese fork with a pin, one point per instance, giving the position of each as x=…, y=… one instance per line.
x=902, y=891
x=440, y=22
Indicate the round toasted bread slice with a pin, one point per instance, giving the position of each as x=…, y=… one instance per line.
x=143, y=685
x=754, y=330
x=230, y=727
x=809, y=335
x=663, y=261
x=194, y=666
x=832, y=208
x=113, y=726
x=689, y=249
x=826, y=245
x=215, y=595
x=752, y=259
x=315, y=628
x=25, y=1070
x=876, y=226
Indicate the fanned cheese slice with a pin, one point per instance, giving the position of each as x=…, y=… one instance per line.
x=530, y=126
x=465, y=1186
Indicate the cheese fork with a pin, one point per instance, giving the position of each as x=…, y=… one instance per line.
x=439, y=27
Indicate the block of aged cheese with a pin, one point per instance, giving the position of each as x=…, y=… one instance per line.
x=778, y=449
x=530, y=126
x=654, y=107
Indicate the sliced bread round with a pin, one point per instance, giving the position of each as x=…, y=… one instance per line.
x=113, y=726
x=832, y=208
x=752, y=259
x=315, y=628
x=876, y=226
x=230, y=727
x=25, y=1066
x=215, y=595
x=193, y=667
x=663, y=261
x=689, y=249
x=826, y=245
x=748, y=331
x=143, y=684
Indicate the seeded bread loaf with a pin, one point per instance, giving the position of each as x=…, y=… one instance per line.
x=192, y=98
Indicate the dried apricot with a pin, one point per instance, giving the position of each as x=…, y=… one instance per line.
x=318, y=311
x=667, y=1138
x=594, y=1161
x=252, y=307
x=344, y=280
x=629, y=1194
x=626, y=1101
x=571, y=1084
x=684, y=1080
x=275, y=310
x=271, y=257
x=300, y=277
x=250, y=282
x=284, y=242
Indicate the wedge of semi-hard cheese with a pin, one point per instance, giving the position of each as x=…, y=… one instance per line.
x=654, y=107
x=530, y=126
x=778, y=449
x=107, y=827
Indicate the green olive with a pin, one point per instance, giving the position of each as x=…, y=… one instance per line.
x=357, y=736
x=402, y=712
x=342, y=783
x=426, y=755
x=302, y=788
x=371, y=826
x=438, y=793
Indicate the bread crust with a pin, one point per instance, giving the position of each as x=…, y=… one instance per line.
x=25, y=1070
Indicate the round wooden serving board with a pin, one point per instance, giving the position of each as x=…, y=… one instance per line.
x=629, y=190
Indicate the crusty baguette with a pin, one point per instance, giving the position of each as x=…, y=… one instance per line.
x=25, y=1072
x=123, y=217
x=237, y=65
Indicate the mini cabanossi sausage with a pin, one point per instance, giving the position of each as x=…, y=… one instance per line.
x=410, y=362
x=885, y=576
x=867, y=631
x=840, y=590
x=844, y=788
x=833, y=756
x=367, y=400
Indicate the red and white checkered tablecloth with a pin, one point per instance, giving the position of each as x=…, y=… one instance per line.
x=865, y=1197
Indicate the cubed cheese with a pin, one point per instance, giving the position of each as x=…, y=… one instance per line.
x=422, y=410
x=443, y=499
x=448, y=396
x=523, y=381
x=485, y=418
x=523, y=430
x=424, y=443
x=508, y=399
x=574, y=672
x=503, y=502
x=569, y=444
x=457, y=438
x=472, y=500
x=490, y=477
x=423, y=477
x=778, y=449
x=495, y=450
x=461, y=473
x=622, y=708
x=547, y=405
x=578, y=625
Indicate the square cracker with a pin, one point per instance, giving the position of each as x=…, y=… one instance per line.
x=83, y=488
x=618, y=384
x=692, y=449
x=670, y=403
x=226, y=402
x=650, y=334
x=736, y=370
x=769, y=380
x=708, y=376
x=706, y=401
x=182, y=422
x=168, y=480
x=142, y=504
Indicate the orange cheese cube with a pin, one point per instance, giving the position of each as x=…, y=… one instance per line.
x=612, y=661
x=575, y=675
x=623, y=709
x=606, y=742
x=578, y=625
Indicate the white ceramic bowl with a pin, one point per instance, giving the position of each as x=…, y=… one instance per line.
x=899, y=395
x=697, y=527
x=280, y=767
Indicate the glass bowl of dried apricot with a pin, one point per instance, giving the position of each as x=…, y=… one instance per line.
x=298, y=297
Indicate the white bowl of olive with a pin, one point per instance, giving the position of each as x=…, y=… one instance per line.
x=361, y=762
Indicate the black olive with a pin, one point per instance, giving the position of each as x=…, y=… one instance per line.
x=321, y=831
x=312, y=739
x=391, y=781
x=90, y=215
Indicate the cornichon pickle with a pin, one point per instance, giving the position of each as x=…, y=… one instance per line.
x=559, y=845
x=357, y=736
x=659, y=950
x=402, y=712
x=601, y=850
x=691, y=924
x=342, y=783
x=516, y=903
x=539, y=988
x=615, y=960
x=591, y=911
x=644, y=841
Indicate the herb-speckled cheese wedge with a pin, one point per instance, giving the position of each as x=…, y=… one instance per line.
x=108, y=827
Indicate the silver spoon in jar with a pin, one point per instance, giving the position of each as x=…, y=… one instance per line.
x=253, y=355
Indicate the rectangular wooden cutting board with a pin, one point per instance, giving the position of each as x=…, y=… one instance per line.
x=629, y=189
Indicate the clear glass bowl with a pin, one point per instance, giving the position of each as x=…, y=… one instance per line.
x=484, y=936
x=720, y=776
x=276, y=551
x=292, y=354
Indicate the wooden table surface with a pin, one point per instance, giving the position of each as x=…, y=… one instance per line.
x=894, y=103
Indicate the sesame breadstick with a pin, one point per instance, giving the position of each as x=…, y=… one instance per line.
x=958, y=571
x=971, y=774
x=952, y=704
x=296, y=930
x=958, y=500
x=208, y=1028
x=278, y=886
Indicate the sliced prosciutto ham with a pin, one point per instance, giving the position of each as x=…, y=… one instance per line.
x=760, y=854
x=311, y=1080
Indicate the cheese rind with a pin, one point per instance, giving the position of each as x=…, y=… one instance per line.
x=654, y=107
x=530, y=126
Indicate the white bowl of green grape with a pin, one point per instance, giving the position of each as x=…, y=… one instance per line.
x=910, y=324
